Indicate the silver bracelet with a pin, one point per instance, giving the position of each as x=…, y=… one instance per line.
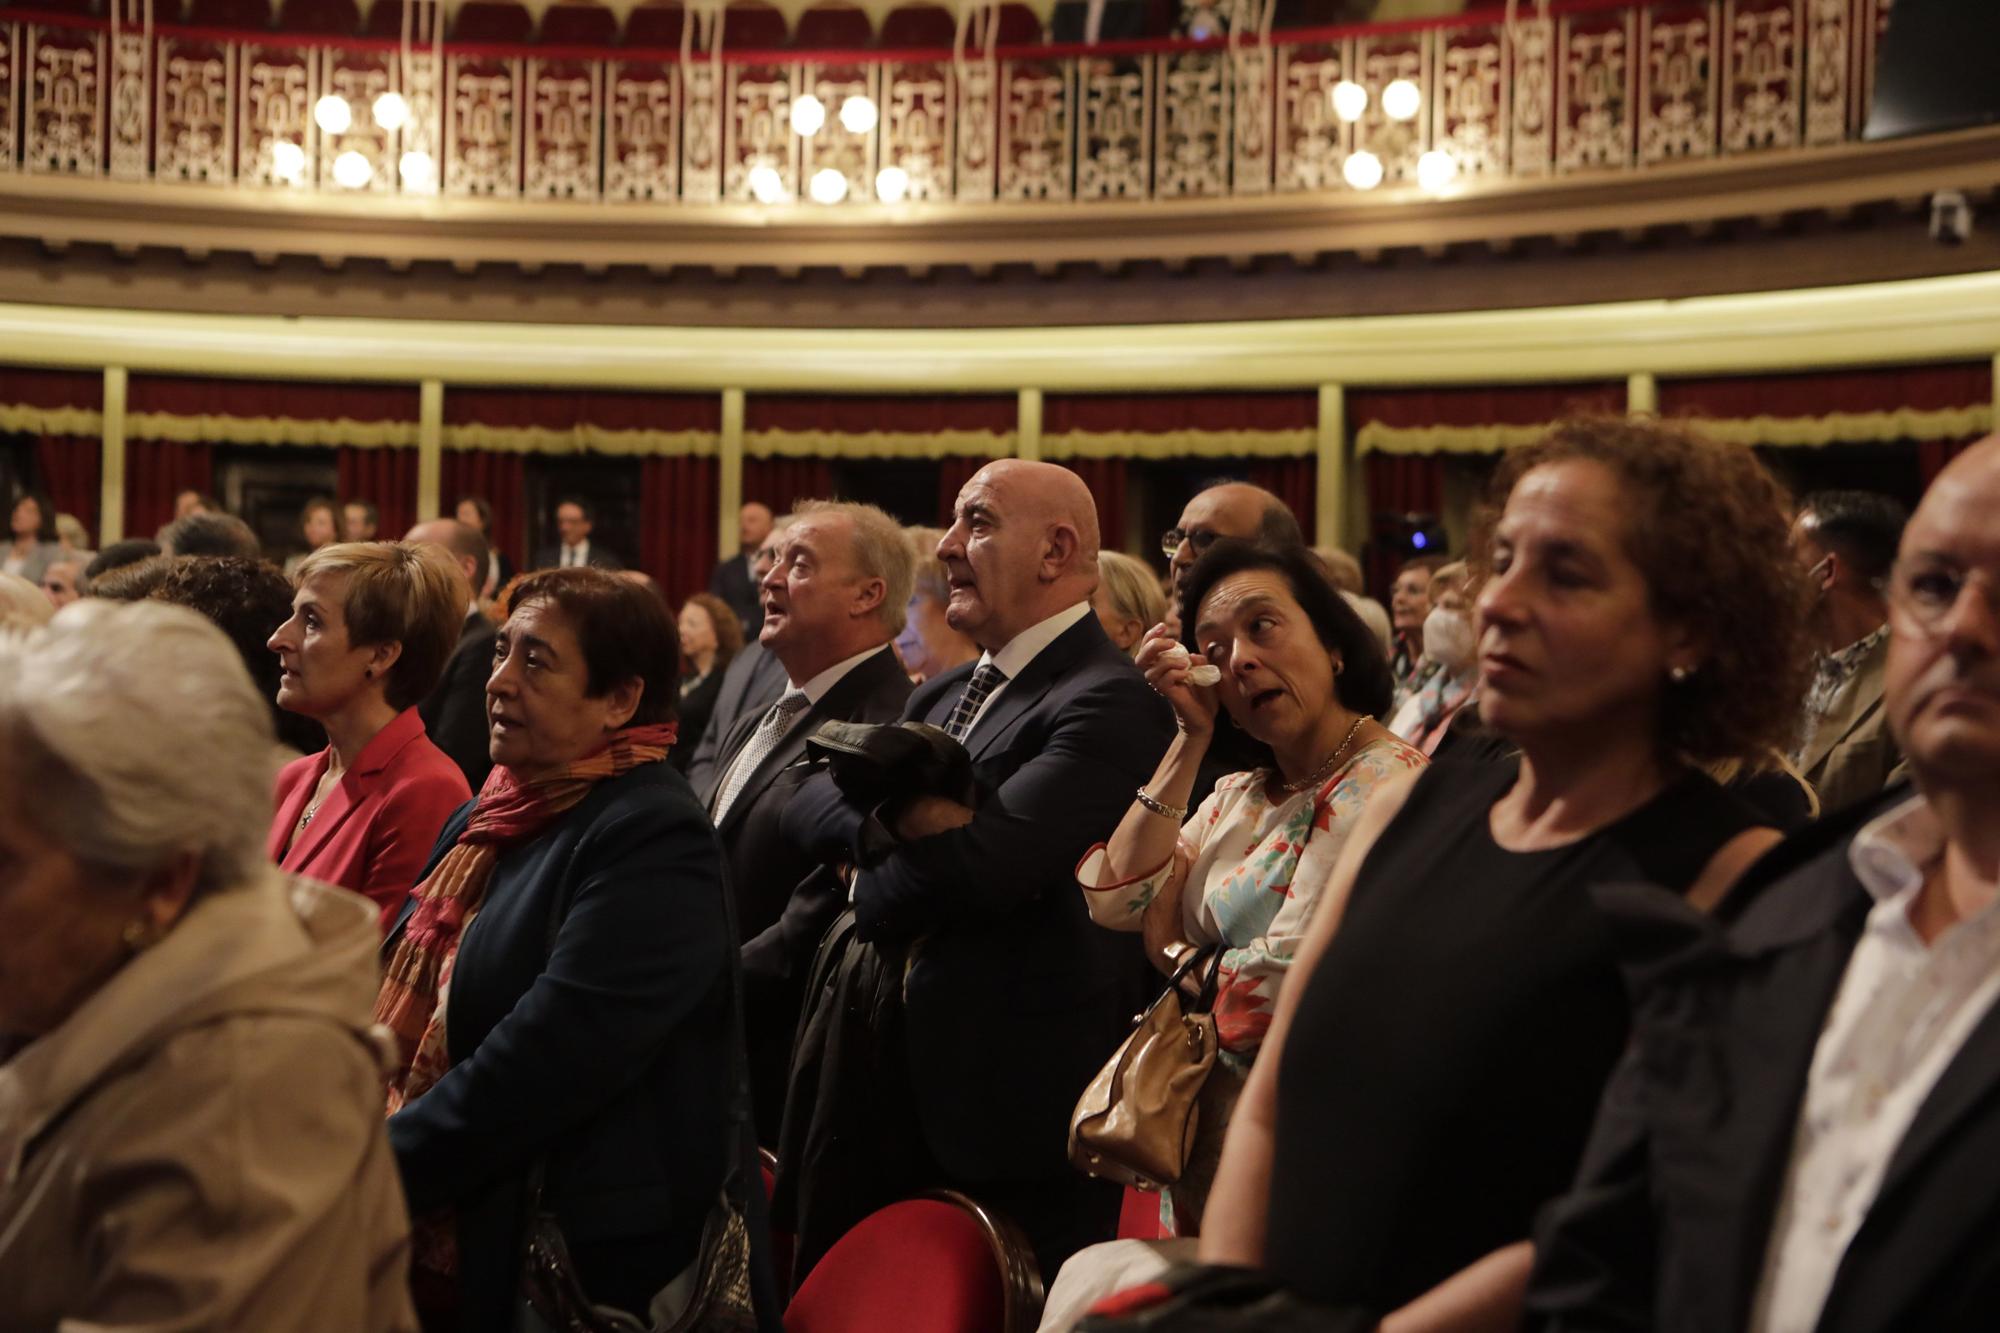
x=1178, y=815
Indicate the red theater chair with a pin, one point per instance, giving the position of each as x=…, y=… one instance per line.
x=938, y=1264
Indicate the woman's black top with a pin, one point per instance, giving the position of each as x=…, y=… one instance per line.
x=1444, y=1064
x=697, y=703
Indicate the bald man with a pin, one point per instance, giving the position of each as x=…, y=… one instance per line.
x=1806, y=1134
x=454, y=713
x=971, y=917
x=1233, y=509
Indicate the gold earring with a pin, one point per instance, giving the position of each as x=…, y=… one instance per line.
x=1678, y=675
x=139, y=935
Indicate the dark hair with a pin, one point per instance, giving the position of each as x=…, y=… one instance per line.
x=728, y=626
x=1364, y=684
x=1862, y=527
x=118, y=555
x=1430, y=564
x=480, y=506
x=1707, y=526
x=589, y=514
x=131, y=583
x=623, y=629
x=47, y=531
x=247, y=600
x=1277, y=527
x=321, y=502
x=203, y=533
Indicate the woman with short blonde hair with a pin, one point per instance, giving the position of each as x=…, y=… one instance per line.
x=1128, y=600
x=372, y=626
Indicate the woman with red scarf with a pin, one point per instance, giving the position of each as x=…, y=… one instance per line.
x=559, y=982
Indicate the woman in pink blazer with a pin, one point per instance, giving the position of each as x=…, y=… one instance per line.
x=372, y=626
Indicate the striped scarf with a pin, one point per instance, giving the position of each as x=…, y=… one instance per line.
x=510, y=812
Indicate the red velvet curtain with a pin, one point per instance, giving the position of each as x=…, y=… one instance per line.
x=68, y=467
x=1296, y=482
x=1932, y=455
x=1821, y=393
x=953, y=472
x=677, y=545
x=782, y=482
x=155, y=472
x=388, y=477
x=863, y=414
x=1165, y=413
x=1106, y=479
x=1497, y=405
x=496, y=478
x=1398, y=484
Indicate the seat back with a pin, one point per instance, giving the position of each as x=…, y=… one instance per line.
x=938, y=1264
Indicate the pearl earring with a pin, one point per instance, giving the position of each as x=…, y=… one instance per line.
x=1678, y=675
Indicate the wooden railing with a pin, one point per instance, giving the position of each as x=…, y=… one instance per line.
x=1591, y=87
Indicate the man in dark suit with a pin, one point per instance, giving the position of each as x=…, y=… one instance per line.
x=1011, y=998
x=735, y=580
x=573, y=524
x=835, y=602
x=1806, y=1132
x=454, y=713
x=751, y=682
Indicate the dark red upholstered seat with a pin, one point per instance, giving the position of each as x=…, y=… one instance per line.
x=933, y=1265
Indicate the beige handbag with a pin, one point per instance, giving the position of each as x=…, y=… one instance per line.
x=1135, y=1123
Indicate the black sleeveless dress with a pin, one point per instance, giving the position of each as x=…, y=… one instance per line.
x=1446, y=1059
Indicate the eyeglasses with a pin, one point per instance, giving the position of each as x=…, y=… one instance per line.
x=1927, y=592
x=1200, y=539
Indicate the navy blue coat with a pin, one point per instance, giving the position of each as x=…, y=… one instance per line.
x=608, y=1053
x=1014, y=997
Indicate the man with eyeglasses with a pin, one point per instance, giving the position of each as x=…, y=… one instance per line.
x=1846, y=542
x=1805, y=1134
x=1233, y=509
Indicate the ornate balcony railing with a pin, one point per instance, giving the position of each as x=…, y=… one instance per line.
x=1587, y=87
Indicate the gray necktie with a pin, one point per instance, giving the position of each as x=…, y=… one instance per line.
x=762, y=741
x=984, y=681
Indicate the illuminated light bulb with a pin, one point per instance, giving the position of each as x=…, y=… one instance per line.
x=858, y=115
x=808, y=114
x=1350, y=100
x=391, y=112
x=892, y=185
x=288, y=160
x=766, y=185
x=1401, y=100
x=332, y=114
x=1362, y=170
x=1436, y=170
x=828, y=186
x=352, y=171
x=418, y=169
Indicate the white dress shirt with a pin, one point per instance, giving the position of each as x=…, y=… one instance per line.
x=577, y=556
x=1903, y=1011
x=1022, y=649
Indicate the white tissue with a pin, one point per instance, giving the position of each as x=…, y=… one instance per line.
x=1204, y=674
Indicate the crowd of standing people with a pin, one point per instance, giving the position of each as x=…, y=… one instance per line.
x=1601, y=935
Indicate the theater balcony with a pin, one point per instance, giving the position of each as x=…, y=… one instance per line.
x=542, y=146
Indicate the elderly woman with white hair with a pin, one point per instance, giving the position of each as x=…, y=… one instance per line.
x=190, y=1107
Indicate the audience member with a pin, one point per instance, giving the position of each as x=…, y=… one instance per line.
x=190, y=1110
x=710, y=638
x=476, y=512
x=134, y=582
x=1375, y=616
x=835, y=594
x=372, y=626
x=1847, y=542
x=360, y=520
x=73, y=537
x=1342, y=569
x=1232, y=509
x=582, y=1043
x=22, y=604
x=1301, y=676
x=750, y=684
x=1128, y=601
x=1451, y=645
x=573, y=548
x=1430, y=1083
x=734, y=579
x=928, y=645
x=210, y=533
x=247, y=600
x=63, y=581
x=968, y=917
x=1409, y=606
x=1805, y=1133
x=319, y=525
x=454, y=712
x=117, y=556
x=32, y=544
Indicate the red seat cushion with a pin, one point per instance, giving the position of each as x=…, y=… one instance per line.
x=920, y=1266
x=1139, y=1215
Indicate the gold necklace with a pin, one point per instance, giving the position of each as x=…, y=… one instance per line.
x=1319, y=775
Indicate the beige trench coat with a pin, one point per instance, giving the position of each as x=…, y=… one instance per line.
x=201, y=1145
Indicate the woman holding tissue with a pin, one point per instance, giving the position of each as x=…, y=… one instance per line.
x=1292, y=665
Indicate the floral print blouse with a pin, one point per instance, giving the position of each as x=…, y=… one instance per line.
x=1261, y=868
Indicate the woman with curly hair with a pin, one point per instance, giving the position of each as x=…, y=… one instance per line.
x=1430, y=1075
